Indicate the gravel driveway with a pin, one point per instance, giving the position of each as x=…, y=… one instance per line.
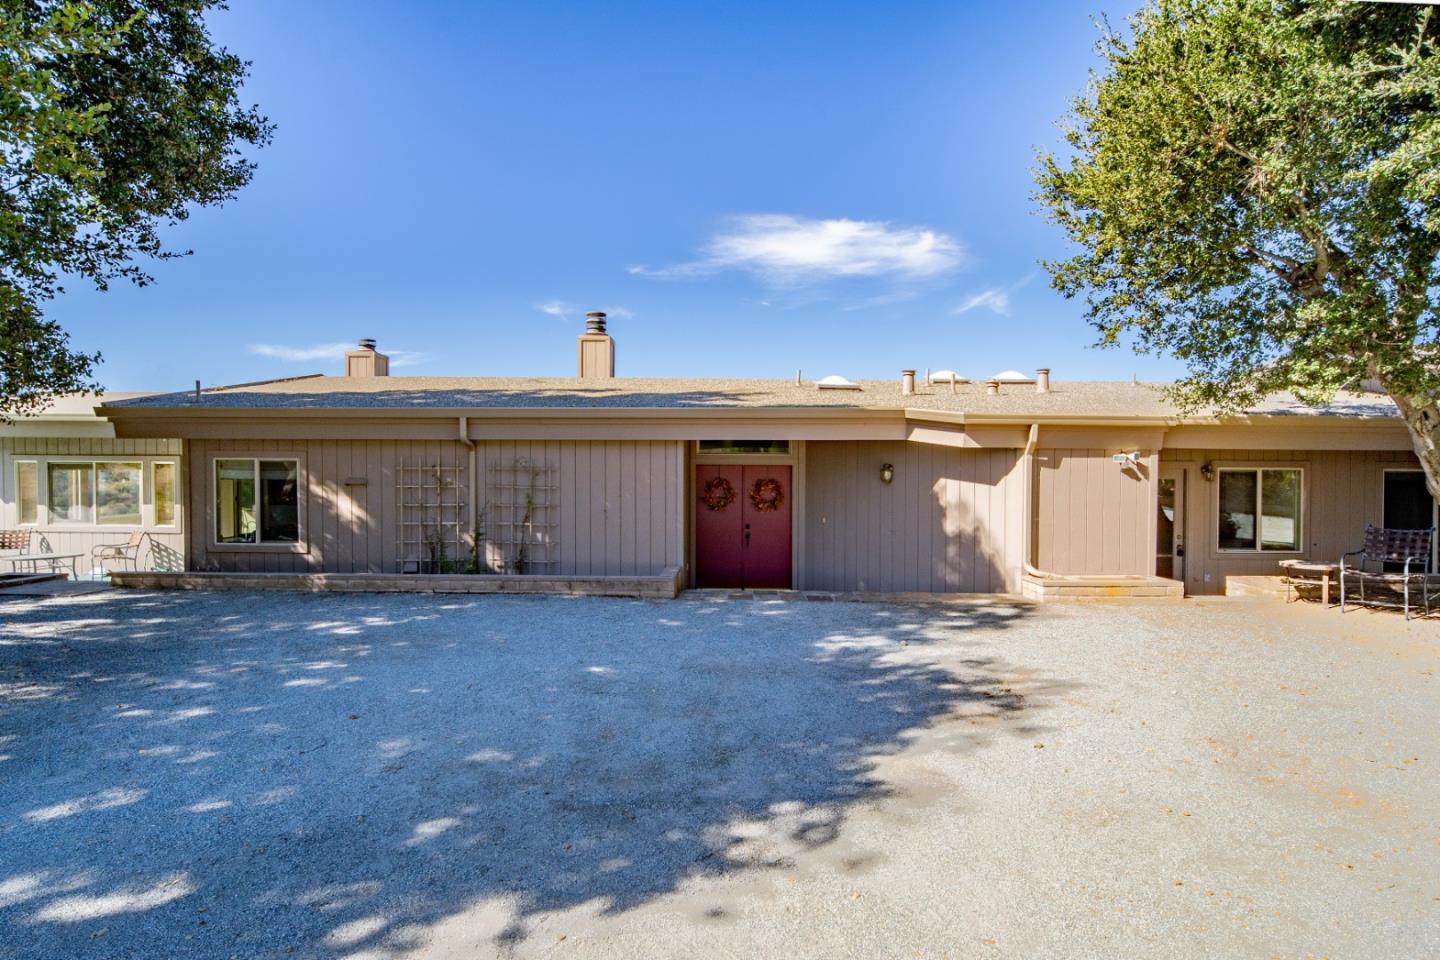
x=217, y=775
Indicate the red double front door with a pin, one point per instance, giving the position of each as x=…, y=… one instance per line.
x=743, y=543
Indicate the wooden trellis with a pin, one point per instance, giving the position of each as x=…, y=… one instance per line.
x=431, y=516
x=523, y=517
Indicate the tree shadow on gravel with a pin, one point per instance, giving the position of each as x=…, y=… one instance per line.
x=211, y=775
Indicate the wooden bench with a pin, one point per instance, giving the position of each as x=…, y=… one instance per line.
x=1300, y=573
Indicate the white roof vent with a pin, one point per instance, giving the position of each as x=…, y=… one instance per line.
x=1012, y=376
x=836, y=382
x=947, y=376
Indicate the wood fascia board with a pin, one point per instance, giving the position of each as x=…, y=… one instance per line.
x=90, y=428
x=530, y=424
x=497, y=413
x=1286, y=435
x=1117, y=436
x=972, y=438
x=1025, y=419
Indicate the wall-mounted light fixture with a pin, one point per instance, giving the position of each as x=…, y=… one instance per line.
x=887, y=472
x=1207, y=470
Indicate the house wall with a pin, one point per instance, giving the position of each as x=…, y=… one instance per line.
x=1342, y=492
x=950, y=521
x=618, y=503
x=1093, y=515
x=164, y=547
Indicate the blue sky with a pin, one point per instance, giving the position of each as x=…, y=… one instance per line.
x=748, y=189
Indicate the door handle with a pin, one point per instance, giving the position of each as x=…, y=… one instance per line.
x=747, y=534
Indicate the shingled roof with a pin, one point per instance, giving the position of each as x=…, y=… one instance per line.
x=1076, y=398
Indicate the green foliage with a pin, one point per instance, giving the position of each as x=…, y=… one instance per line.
x=116, y=117
x=1254, y=185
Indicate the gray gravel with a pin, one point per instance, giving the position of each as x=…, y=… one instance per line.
x=215, y=775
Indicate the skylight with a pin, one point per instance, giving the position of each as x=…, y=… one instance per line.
x=836, y=382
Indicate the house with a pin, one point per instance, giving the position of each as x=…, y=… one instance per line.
x=923, y=483
x=67, y=479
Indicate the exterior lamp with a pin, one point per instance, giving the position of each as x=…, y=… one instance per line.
x=887, y=472
x=1207, y=470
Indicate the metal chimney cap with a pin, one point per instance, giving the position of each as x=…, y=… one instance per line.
x=367, y=343
x=595, y=321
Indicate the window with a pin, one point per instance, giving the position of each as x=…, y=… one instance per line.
x=257, y=501
x=27, y=492
x=103, y=492
x=117, y=493
x=71, y=492
x=1260, y=509
x=781, y=447
x=162, y=482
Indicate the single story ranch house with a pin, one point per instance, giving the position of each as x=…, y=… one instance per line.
x=931, y=483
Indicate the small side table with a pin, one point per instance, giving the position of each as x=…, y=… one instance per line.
x=1309, y=571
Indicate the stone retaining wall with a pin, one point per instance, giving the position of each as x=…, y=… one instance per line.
x=663, y=586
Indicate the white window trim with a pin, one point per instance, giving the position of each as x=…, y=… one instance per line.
x=1301, y=518
x=301, y=545
x=709, y=456
x=93, y=525
x=40, y=507
x=150, y=503
x=45, y=522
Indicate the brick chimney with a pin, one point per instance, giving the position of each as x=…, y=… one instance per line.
x=595, y=353
x=366, y=361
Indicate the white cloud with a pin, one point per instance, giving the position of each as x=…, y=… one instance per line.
x=561, y=309
x=787, y=250
x=330, y=351
x=322, y=351
x=995, y=300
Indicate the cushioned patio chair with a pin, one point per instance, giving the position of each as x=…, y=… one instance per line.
x=1384, y=550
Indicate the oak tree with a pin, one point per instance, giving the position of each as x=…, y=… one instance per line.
x=1254, y=186
x=117, y=118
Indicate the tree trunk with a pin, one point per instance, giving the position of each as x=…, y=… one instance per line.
x=1423, y=420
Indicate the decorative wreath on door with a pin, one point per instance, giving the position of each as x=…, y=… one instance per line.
x=717, y=494
x=767, y=494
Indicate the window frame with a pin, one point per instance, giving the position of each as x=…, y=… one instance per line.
x=41, y=505
x=300, y=545
x=179, y=505
x=699, y=455
x=1301, y=514
x=46, y=521
x=93, y=524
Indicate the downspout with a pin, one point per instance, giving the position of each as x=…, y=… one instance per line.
x=470, y=470
x=1028, y=458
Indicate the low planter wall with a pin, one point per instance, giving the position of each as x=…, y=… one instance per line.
x=1060, y=587
x=665, y=585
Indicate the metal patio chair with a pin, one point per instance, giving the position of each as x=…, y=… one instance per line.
x=127, y=553
x=15, y=542
x=1409, y=549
